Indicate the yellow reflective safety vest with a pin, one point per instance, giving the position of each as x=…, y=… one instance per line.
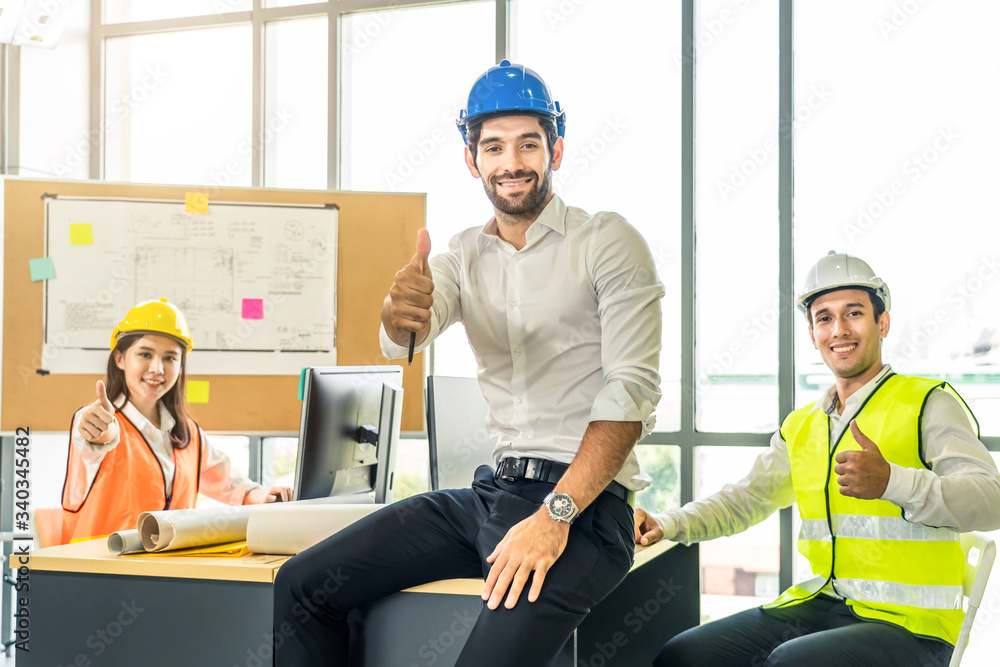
x=887, y=568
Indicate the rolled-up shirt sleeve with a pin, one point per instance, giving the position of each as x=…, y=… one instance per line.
x=447, y=307
x=629, y=294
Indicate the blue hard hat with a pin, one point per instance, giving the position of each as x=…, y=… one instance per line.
x=510, y=88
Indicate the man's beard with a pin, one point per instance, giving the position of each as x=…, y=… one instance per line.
x=525, y=203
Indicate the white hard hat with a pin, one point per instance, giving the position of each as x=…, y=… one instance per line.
x=840, y=271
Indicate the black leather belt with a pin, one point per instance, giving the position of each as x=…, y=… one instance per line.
x=513, y=469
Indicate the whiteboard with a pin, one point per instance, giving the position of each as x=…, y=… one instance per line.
x=257, y=282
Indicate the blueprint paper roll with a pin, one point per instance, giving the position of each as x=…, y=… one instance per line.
x=179, y=529
x=291, y=529
x=125, y=542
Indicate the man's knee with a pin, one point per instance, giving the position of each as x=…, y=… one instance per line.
x=680, y=651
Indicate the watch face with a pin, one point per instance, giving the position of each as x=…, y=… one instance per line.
x=561, y=506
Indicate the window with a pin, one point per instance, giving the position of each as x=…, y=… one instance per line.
x=893, y=164
x=736, y=216
x=622, y=147
x=177, y=107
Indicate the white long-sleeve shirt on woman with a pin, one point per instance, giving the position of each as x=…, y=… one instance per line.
x=961, y=490
x=216, y=479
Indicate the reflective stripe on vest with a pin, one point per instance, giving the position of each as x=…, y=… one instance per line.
x=886, y=567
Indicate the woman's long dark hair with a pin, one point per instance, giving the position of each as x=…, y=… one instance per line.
x=175, y=399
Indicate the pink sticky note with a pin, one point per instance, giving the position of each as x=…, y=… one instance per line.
x=253, y=309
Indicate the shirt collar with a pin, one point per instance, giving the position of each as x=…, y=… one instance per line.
x=552, y=217
x=167, y=421
x=851, y=404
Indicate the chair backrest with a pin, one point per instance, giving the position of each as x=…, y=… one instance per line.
x=980, y=552
x=48, y=525
x=456, y=431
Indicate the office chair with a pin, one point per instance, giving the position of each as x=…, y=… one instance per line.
x=456, y=431
x=980, y=551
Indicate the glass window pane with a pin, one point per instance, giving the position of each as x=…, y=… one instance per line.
x=663, y=464
x=287, y=3
x=412, y=468
x=411, y=475
x=55, y=137
x=237, y=448
x=125, y=11
x=278, y=456
x=898, y=167
x=295, y=104
x=383, y=150
x=178, y=107
x=622, y=145
x=737, y=216
x=741, y=571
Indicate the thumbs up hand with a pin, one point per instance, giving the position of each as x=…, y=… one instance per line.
x=408, y=307
x=97, y=418
x=863, y=474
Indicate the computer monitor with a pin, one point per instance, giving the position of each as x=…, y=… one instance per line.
x=349, y=431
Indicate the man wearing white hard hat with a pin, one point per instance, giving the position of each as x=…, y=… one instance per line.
x=886, y=470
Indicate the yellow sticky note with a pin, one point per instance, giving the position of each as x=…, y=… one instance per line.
x=197, y=391
x=81, y=233
x=195, y=202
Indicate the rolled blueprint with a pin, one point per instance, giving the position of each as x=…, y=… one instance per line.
x=125, y=542
x=179, y=529
x=291, y=529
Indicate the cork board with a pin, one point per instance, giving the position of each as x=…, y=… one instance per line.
x=376, y=237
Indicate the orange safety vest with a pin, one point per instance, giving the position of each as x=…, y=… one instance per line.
x=130, y=481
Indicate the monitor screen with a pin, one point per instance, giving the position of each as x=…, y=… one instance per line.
x=349, y=431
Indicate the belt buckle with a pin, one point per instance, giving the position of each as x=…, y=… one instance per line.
x=512, y=469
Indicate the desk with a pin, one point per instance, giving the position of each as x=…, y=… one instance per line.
x=89, y=608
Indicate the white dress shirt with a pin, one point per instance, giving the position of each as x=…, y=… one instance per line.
x=216, y=480
x=565, y=331
x=961, y=490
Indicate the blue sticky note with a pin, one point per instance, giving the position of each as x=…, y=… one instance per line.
x=302, y=383
x=42, y=268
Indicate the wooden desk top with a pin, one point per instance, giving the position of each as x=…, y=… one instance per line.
x=475, y=586
x=93, y=557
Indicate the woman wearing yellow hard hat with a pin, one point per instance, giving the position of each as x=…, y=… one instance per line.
x=139, y=450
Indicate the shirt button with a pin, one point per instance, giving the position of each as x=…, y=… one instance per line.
x=517, y=352
x=513, y=302
x=519, y=400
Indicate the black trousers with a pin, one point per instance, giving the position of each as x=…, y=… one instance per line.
x=822, y=632
x=446, y=535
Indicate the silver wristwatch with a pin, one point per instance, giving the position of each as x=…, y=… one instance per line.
x=561, y=507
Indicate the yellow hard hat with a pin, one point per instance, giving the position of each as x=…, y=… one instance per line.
x=154, y=316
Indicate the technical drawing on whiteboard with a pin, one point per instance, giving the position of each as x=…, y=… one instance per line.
x=257, y=282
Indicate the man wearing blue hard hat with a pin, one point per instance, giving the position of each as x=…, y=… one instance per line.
x=562, y=310
x=886, y=470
